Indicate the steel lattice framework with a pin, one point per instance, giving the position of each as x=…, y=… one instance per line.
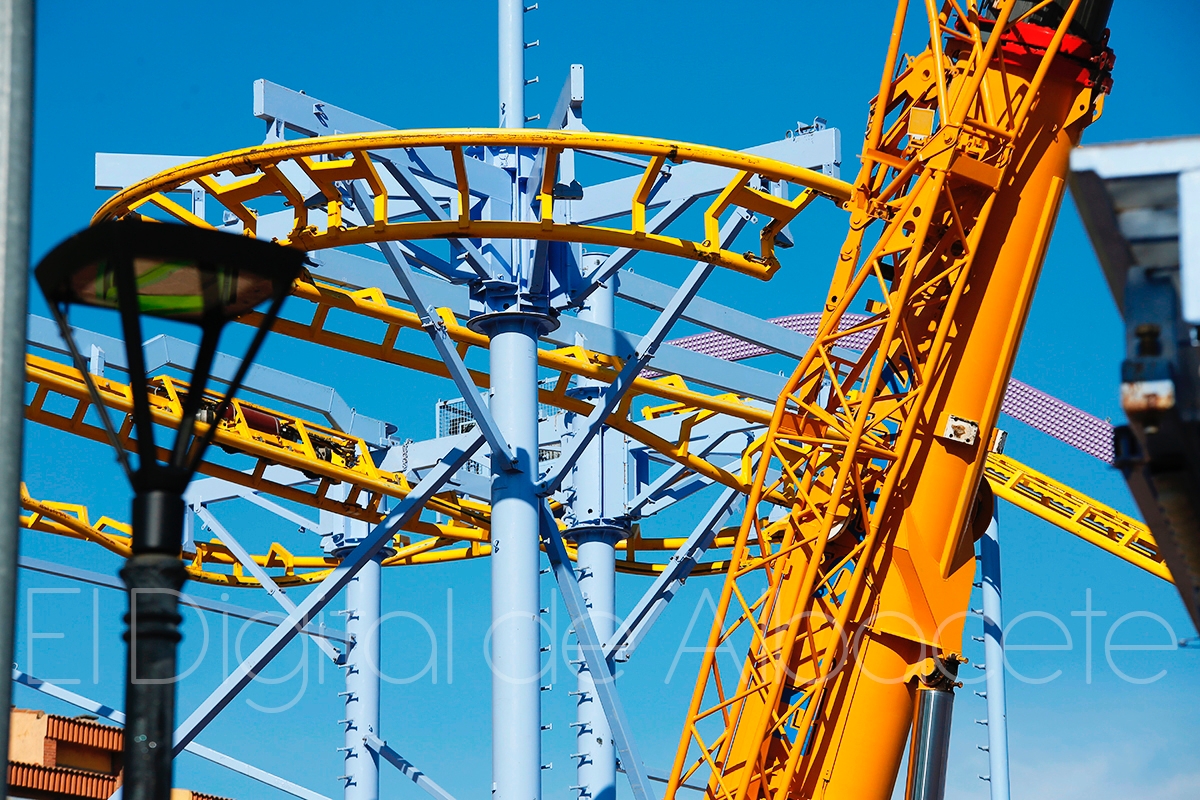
x=853, y=438
x=883, y=412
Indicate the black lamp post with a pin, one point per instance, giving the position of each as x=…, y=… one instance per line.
x=186, y=274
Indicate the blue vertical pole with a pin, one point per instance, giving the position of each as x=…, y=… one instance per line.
x=993, y=643
x=595, y=754
x=597, y=537
x=516, y=560
x=362, y=682
x=360, y=716
x=511, y=318
x=512, y=64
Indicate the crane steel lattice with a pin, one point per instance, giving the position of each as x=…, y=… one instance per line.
x=876, y=460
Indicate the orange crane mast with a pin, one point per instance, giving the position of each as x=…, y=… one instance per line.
x=850, y=577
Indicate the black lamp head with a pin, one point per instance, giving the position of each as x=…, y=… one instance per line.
x=180, y=272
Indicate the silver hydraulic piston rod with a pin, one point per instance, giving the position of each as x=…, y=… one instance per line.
x=929, y=749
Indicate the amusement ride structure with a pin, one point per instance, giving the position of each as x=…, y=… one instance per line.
x=867, y=478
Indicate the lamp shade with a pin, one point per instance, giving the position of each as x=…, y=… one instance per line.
x=180, y=272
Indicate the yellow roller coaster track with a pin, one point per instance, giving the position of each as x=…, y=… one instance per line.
x=1040, y=495
x=324, y=454
x=262, y=171
x=238, y=178
x=1076, y=513
x=212, y=562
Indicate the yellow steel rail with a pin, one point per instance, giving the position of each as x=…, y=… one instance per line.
x=569, y=362
x=324, y=454
x=1075, y=513
x=1043, y=496
x=328, y=456
x=212, y=562
x=262, y=171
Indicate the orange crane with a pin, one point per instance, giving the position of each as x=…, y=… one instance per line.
x=850, y=577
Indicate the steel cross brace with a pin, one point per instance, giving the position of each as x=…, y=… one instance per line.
x=207, y=491
x=198, y=603
x=254, y=497
x=593, y=653
x=436, y=328
x=637, y=623
x=672, y=485
x=632, y=368
x=613, y=393
x=108, y=712
x=433, y=209
x=298, y=111
x=323, y=593
x=265, y=580
x=405, y=766
x=622, y=255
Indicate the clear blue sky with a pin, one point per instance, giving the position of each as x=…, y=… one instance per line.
x=176, y=78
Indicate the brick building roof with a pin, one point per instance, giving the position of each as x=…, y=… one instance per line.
x=62, y=758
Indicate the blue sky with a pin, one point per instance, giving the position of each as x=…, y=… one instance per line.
x=176, y=79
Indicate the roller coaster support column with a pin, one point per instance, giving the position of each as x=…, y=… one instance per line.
x=512, y=64
x=361, y=663
x=513, y=313
x=516, y=559
x=993, y=643
x=596, y=532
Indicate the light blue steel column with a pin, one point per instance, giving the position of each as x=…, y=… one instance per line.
x=360, y=716
x=512, y=64
x=597, y=535
x=514, y=319
x=596, y=760
x=516, y=560
x=993, y=643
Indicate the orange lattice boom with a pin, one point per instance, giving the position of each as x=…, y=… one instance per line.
x=850, y=579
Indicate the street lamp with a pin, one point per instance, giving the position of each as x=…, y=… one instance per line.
x=187, y=274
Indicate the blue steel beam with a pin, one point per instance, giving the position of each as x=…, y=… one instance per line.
x=714, y=316
x=637, y=623
x=436, y=328
x=432, y=209
x=108, y=712
x=322, y=594
x=593, y=652
x=618, y=258
x=312, y=117
x=611, y=395
x=567, y=115
x=406, y=767
x=693, y=180
x=266, y=581
x=199, y=603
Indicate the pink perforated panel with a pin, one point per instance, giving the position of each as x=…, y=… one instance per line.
x=1022, y=402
